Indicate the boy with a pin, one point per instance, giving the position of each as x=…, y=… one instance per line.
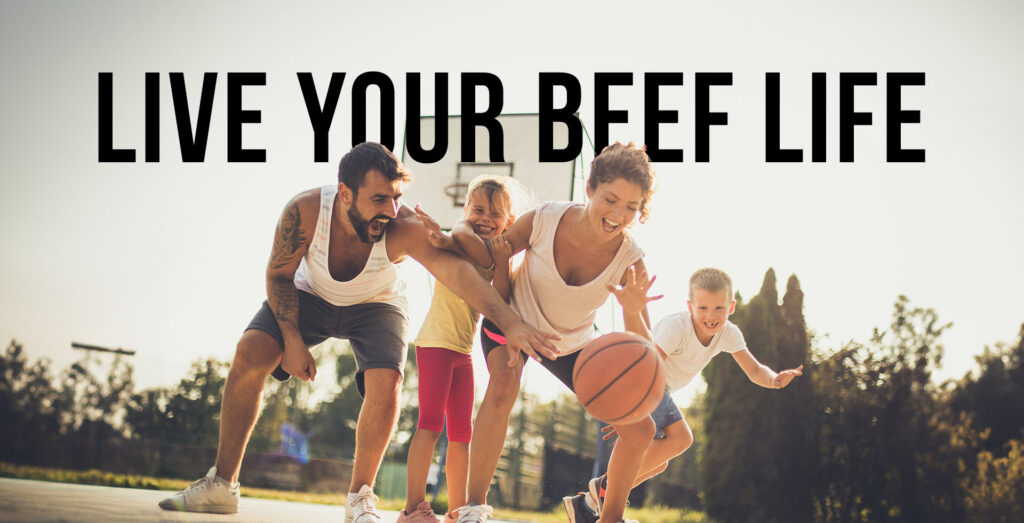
x=687, y=341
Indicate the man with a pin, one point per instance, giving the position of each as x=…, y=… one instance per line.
x=332, y=273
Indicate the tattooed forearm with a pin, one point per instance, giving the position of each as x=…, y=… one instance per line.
x=289, y=238
x=284, y=301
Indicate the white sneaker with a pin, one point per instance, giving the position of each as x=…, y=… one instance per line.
x=361, y=506
x=475, y=513
x=593, y=498
x=209, y=494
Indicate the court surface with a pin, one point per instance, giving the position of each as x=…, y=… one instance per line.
x=29, y=501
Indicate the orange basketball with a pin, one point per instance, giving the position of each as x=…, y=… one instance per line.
x=619, y=378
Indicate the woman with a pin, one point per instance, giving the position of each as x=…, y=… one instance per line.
x=575, y=256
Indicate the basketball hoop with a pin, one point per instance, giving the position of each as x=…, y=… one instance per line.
x=457, y=192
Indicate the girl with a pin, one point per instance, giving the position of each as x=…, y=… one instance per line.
x=444, y=344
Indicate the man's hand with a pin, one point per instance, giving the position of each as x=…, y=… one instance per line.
x=298, y=362
x=783, y=378
x=531, y=341
x=633, y=295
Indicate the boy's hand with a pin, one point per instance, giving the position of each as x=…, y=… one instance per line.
x=608, y=432
x=633, y=295
x=501, y=249
x=783, y=378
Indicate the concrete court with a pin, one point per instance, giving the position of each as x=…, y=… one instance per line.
x=33, y=501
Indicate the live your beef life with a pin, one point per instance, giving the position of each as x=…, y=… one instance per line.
x=321, y=102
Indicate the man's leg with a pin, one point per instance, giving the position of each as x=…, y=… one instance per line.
x=492, y=423
x=256, y=356
x=376, y=420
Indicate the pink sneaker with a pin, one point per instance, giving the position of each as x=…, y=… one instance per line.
x=422, y=514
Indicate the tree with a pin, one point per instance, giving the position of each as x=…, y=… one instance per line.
x=28, y=415
x=188, y=413
x=996, y=396
x=885, y=440
x=755, y=466
x=995, y=493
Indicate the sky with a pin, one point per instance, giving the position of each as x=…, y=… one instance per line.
x=168, y=258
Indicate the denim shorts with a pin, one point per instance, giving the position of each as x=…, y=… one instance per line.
x=665, y=414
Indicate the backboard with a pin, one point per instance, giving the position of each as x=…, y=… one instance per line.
x=441, y=186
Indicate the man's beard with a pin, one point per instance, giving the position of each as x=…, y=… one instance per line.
x=362, y=226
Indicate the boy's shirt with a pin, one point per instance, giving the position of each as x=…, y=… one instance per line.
x=686, y=356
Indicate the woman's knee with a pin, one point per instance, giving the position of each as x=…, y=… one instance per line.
x=503, y=387
x=641, y=431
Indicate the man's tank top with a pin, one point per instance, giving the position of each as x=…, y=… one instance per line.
x=542, y=298
x=379, y=281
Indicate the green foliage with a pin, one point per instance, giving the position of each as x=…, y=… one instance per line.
x=188, y=413
x=995, y=493
x=996, y=396
x=756, y=465
x=886, y=451
x=39, y=413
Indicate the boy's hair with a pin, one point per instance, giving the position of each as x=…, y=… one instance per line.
x=711, y=280
x=628, y=162
x=507, y=191
x=365, y=157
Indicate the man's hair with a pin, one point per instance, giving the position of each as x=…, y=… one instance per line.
x=711, y=280
x=628, y=162
x=365, y=157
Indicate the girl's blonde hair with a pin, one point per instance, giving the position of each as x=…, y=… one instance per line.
x=512, y=196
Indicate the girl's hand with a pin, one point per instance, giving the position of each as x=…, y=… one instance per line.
x=633, y=295
x=501, y=249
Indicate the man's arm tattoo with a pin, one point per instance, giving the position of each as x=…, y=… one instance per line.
x=285, y=302
x=289, y=238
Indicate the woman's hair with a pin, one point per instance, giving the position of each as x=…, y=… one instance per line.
x=628, y=162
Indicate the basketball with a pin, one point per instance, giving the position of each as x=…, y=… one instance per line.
x=619, y=378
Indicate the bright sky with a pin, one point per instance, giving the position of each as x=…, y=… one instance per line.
x=168, y=258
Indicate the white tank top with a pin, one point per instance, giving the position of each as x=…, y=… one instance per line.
x=542, y=298
x=379, y=281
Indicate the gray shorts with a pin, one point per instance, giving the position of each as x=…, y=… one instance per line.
x=376, y=331
x=665, y=414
